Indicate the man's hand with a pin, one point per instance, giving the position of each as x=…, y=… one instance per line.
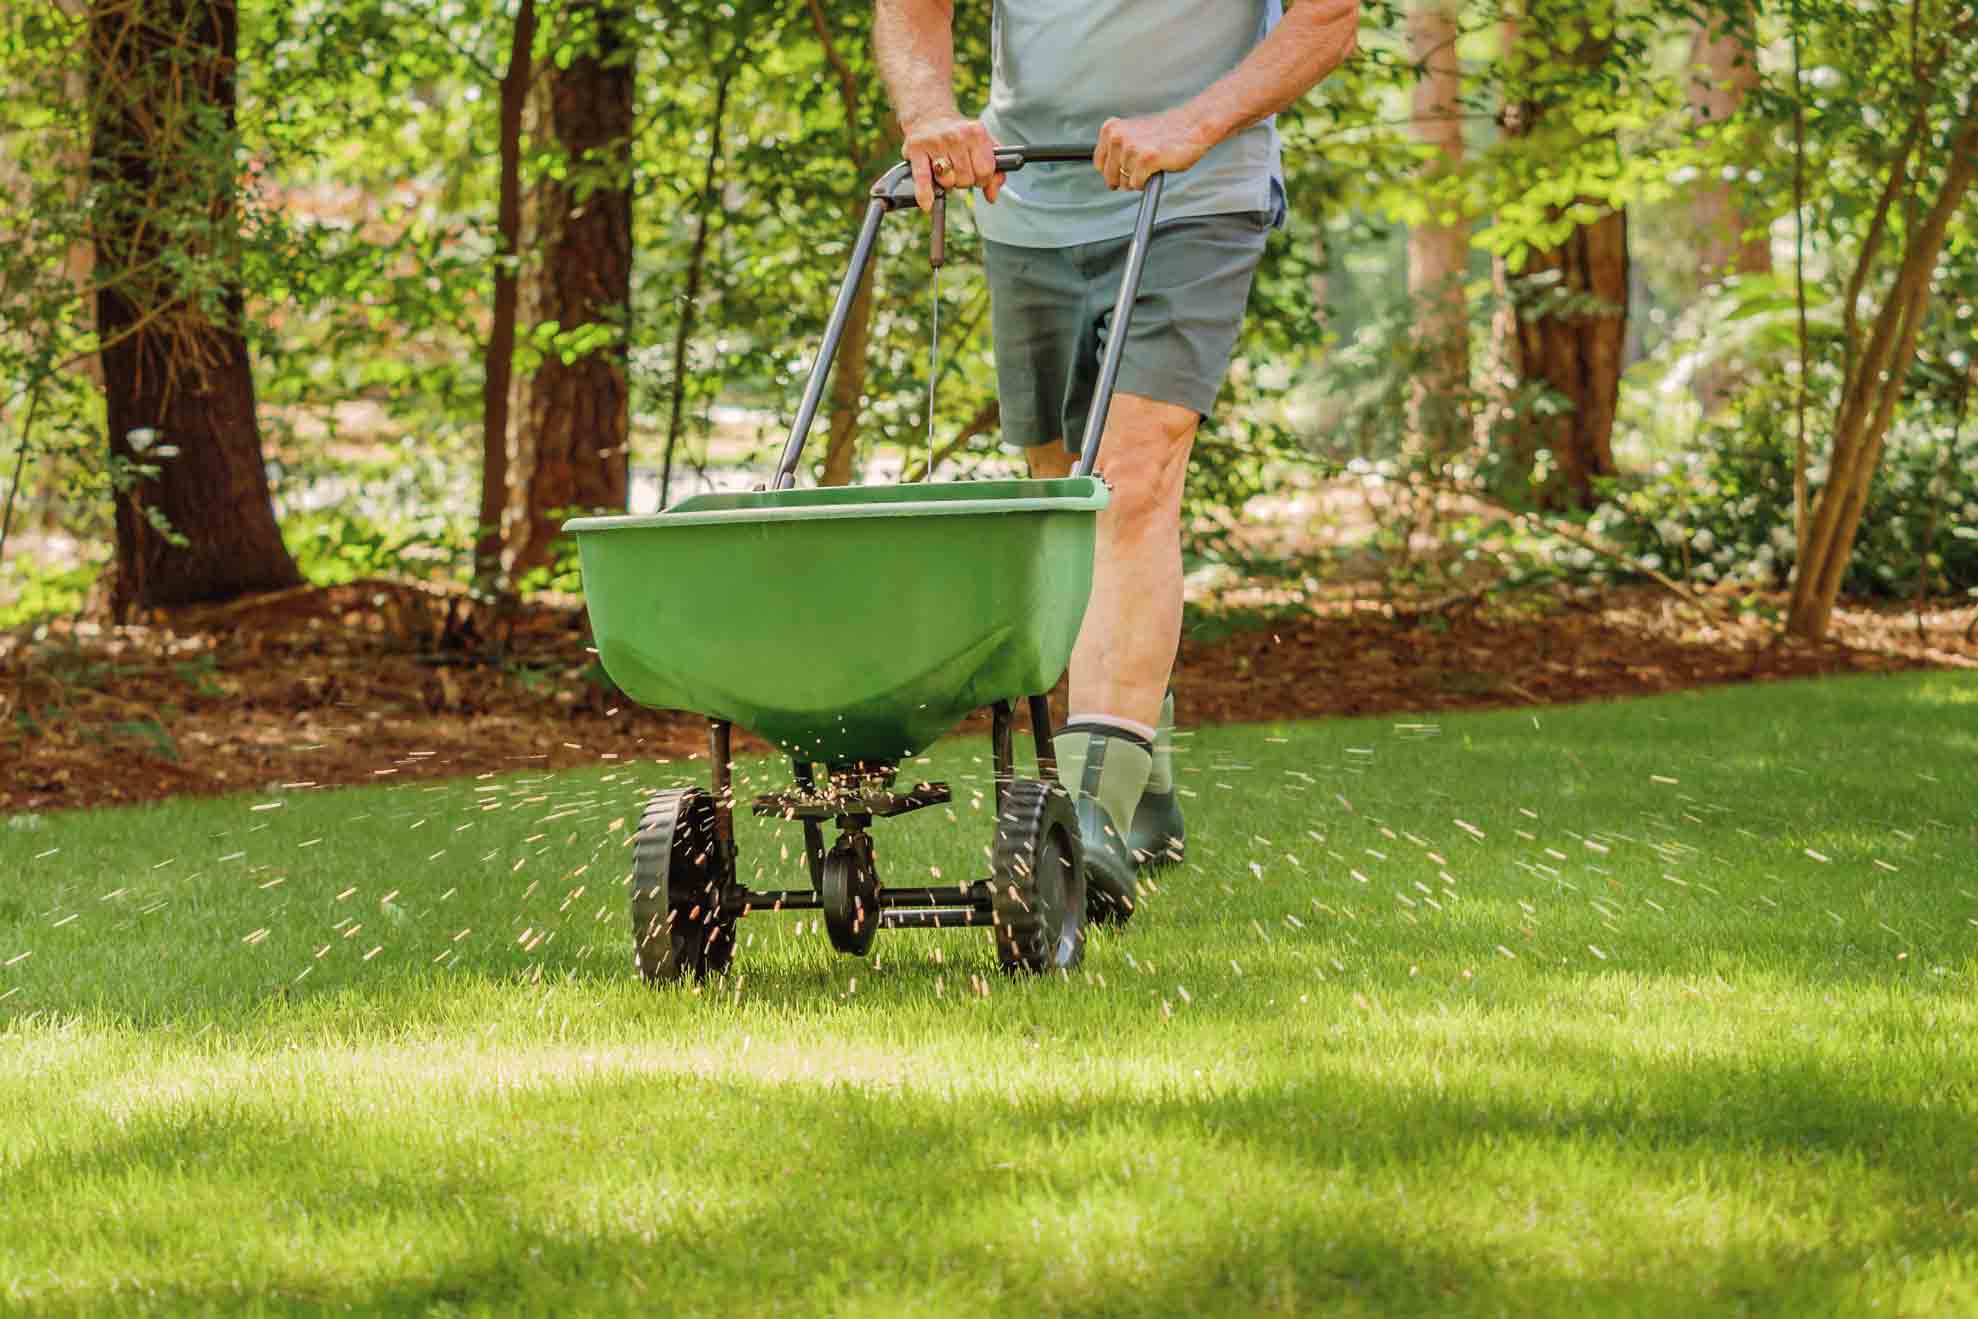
x=1132, y=149
x=954, y=151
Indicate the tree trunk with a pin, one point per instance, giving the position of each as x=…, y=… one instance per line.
x=1500, y=371
x=572, y=431
x=690, y=300
x=1574, y=353
x=1438, y=254
x=848, y=384
x=1868, y=401
x=848, y=372
x=178, y=388
x=79, y=263
x=500, y=364
x=1727, y=72
x=1579, y=356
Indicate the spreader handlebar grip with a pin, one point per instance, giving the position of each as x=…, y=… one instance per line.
x=1009, y=159
x=895, y=186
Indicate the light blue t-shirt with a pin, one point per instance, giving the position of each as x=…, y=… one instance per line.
x=1063, y=67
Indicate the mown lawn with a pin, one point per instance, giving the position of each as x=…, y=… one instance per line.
x=1662, y=1008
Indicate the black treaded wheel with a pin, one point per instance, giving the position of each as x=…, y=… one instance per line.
x=849, y=888
x=1037, y=879
x=677, y=878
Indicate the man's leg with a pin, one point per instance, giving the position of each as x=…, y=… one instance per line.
x=1126, y=645
x=1132, y=628
x=1193, y=291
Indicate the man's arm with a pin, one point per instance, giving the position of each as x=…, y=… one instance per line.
x=915, y=43
x=1313, y=39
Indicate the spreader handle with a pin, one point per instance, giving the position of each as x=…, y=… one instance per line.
x=1129, y=289
x=893, y=191
x=895, y=186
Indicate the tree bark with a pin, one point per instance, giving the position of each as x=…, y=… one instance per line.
x=1574, y=353
x=500, y=363
x=572, y=432
x=1868, y=402
x=1727, y=73
x=178, y=386
x=690, y=299
x=1438, y=253
x=1727, y=243
x=1579, y=356
x=848, y=386
x=849, y=370
x=79, y=262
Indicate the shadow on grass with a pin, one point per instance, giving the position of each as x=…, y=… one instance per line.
x=1700, y=1188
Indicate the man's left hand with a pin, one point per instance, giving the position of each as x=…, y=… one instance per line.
x=1132, y=149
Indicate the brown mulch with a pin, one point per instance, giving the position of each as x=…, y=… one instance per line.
x=379, y=680
x=1542, y=650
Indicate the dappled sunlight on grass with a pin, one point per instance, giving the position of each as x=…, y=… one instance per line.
x=1661, y=1008
x=1437, y=1168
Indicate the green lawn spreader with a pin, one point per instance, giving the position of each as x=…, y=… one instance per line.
x=852, y=627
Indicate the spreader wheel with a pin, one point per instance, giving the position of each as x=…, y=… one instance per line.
x=1038, y=877
x=850, y=892
x=678, y=872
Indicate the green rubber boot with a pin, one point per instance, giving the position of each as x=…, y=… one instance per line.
x=1105, y=770
x=1157, y=836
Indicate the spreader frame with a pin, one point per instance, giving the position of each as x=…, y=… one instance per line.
x=853, y=796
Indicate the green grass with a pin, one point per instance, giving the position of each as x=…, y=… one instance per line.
x=1659, y=1008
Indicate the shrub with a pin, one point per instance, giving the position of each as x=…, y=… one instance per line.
x=1723, y=510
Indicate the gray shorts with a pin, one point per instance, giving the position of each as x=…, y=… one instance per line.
x=1051, y=310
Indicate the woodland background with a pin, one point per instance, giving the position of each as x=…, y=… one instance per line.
x=300, y=295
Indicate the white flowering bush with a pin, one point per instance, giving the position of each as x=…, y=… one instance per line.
x=1723, y=512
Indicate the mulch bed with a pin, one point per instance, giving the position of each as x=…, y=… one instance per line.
x=379, y=680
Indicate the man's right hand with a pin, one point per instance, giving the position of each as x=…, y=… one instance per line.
x=961, y=147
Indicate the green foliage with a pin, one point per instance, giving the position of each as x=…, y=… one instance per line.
x=388, y=512
x=34, y=590
x=1444, y=518
x=1714, y=498
x=1723, y=511
x=364, y=172
x=562, y=572
x=333, y=547
x=49, y=414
